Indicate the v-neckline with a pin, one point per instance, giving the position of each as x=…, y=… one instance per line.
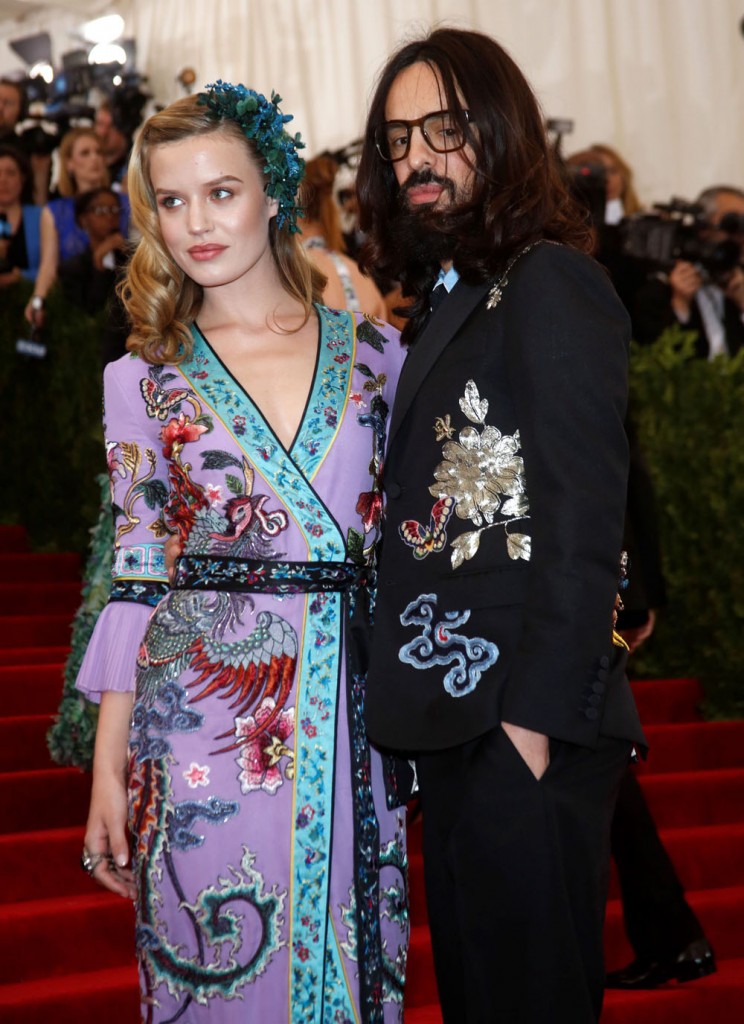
x=252, y=401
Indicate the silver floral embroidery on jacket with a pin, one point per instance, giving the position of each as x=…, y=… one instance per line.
x=484, y=474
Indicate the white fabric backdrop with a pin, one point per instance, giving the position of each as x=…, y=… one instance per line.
x=661, y=80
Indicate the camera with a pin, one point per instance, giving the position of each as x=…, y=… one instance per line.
x=677, y=230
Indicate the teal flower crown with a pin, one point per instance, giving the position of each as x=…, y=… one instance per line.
x=263, y=123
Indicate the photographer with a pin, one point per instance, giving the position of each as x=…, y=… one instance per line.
x=705, y=292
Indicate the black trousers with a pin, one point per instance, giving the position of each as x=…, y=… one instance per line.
x=658, y=919
x=516, y=878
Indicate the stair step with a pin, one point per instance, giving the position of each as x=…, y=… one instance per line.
x=10, y=656
x=720, y=911
x=660, y=701
x=25, y=858
x=690, y=746
x=51, y=798
x=110, y=995
x=680, y=799
x=27, y=598
x=13, y=538
x=717, y=999
x=32, y=567
x=35, y=630
x=23, y=743
x=705, y=856
x=31, y=689
x=96, y=930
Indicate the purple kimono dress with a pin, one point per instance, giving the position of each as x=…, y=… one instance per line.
x=271, y=874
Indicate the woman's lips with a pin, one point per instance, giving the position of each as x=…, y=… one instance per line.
x=205, y=252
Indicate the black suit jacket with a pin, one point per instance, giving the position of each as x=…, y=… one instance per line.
x=505, y=482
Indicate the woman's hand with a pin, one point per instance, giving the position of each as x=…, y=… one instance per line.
x=106, y=834
x=106, y=845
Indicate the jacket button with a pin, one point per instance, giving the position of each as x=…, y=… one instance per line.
x=599, y=687
x=604, y=661
x=595, y=700
x=602, y=674
x=592, y=714
x=393, y=490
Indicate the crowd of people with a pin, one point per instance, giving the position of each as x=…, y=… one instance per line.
x=283, y=460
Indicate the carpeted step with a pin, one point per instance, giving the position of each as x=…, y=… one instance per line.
x=110, y=996
x=67, y=933
x=31, y=689
x=718, y=999
x=37, y=598
x=680, y=799
x=23, y=743
x=720, y=911
x=661, y=701
x=42, y=865
x=13, y=538
x=34, y=655
x=55, y=798
x=35, y=568
x=35, y=630
x=690, y=746
x=705, y=857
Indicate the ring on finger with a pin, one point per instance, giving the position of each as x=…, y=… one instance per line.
x=90, y=861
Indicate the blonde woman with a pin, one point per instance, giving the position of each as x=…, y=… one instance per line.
x=267, y=870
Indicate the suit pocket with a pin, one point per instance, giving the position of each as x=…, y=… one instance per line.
x=494, y=588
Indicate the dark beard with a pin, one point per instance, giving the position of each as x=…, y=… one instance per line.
x=420, y=233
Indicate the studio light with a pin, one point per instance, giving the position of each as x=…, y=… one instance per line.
x=107, y=53
x=42, y=69
x=103, y=30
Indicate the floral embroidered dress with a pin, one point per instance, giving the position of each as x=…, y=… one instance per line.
x=271, y=874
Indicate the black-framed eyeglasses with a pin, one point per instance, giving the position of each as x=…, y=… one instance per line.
x=444, y=131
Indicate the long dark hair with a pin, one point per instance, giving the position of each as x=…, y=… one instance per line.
x=518, y=195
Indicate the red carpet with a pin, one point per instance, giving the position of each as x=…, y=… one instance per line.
x=67, y=946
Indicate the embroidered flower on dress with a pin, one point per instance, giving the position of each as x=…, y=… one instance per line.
x=214, y=493
x=197, y=775
x=260, y=759
x=178, y=432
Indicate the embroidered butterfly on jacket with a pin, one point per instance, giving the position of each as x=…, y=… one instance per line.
x=425, y=539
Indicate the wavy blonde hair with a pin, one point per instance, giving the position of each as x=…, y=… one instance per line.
x=66, y=184
x=629, y=196
x=160, y=299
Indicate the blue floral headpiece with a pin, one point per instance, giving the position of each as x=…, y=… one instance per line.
x=263, y=123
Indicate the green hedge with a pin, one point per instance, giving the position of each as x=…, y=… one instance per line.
x=50, y=431
x=690, y=417
x=690, y=420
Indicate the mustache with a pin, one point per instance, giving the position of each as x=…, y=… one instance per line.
x=427, y=177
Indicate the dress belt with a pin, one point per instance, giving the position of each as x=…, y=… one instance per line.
x=254, y=575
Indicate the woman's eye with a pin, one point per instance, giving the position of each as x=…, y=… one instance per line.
x=170, y=202
x=221, y=193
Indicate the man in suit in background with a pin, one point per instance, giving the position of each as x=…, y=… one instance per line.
x=494, y=665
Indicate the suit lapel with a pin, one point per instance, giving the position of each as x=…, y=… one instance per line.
x=437, y=333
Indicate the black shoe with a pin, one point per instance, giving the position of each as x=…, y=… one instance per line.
x=695, y=961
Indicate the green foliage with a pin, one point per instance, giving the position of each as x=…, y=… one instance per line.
x=690, y=419
x=72, y=736
x=51, y=443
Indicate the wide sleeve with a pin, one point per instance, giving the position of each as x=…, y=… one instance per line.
x=568, y=362
x=139, y=489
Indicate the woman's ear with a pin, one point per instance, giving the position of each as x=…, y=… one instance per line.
x=273, y=206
